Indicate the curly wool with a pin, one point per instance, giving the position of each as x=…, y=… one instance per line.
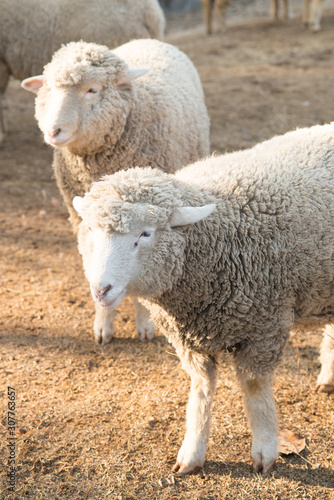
x=30, y=32
x=262, y=261
x=72, y=65
x=159, y=120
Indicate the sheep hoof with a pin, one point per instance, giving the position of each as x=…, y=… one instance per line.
x=327, y=388
x=103, y=332
x=260, y=468
x=146, y=330
x=181, y=470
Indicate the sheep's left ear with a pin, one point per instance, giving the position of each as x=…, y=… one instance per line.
x=77, y=204
x=132, y=74
x=190, y=215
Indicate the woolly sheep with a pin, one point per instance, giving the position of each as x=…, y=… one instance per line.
x=30, y=32
x=100, y=121
x=311, y=16
x=227, y=253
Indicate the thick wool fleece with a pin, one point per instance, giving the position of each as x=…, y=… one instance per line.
x=262, y=261
x=158, y=120
x=30, y=32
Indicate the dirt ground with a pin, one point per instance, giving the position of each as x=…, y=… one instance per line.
x=106, y=422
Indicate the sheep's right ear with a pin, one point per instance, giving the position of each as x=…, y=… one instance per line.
x=33, y=84
x=77, y=203
x=132, y=74
x=189, y=215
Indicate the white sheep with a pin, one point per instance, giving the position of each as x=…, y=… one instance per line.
x=228, y=254
x=30, y=32
x=101, y=119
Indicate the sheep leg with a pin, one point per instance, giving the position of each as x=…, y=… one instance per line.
x=104, y=325
x=326, y=376
x=221, y=6
x=315, y=14
x=285, y=14
x=207, y=11
x=306, y=12
x=144, y=326
x=274, y=9
x=202, y=371
x=262, y=416
x=4, y=77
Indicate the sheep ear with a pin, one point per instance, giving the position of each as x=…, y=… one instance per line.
x=77, y=203
x=190, y=215
x=132, y=74
x=33, y=84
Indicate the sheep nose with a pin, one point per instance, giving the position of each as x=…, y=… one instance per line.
x=101, y=292
x=54, y=133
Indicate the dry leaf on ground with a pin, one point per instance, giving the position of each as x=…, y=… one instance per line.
x=289, y=442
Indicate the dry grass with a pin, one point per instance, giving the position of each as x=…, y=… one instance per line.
x=106, y=422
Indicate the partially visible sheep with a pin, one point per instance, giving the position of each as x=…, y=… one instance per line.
x=285, y=9
x=30, y=32
x=312, y=12
x=228, y=254
x=217, y=10
x=311, y=16
x=101, y=119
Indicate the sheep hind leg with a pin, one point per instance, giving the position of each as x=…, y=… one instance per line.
x=326, y=376
x=104, y=325
x=144, y=326
x=262, y=417
x=202, y=371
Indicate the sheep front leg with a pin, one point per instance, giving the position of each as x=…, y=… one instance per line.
x=104, y=325
x=262, y=416
x=202, y=371
x=326, y=376
x=144, y=326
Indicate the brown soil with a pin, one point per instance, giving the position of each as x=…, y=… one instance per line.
x=106, y=422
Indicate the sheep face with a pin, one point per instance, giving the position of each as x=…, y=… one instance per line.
x=80, y=115
x=83, y=97
x=143, y=260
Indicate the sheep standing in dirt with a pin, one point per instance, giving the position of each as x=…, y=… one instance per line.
x=312, y=12
x=30, y=32
x=218, y=8
x=101, y=119
x=227, y=253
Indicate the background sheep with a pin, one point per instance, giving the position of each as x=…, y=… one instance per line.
x=259, y=261
x=30, y=32
x=312, y=12
x=101, y=121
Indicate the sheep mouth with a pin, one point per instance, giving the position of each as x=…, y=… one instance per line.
x=110, y=304
x=59, y=143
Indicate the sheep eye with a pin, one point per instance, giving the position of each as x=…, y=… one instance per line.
x=144, y=234
x=92, y=91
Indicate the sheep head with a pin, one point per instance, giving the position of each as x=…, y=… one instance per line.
x=83, y=97
x=133, y=247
